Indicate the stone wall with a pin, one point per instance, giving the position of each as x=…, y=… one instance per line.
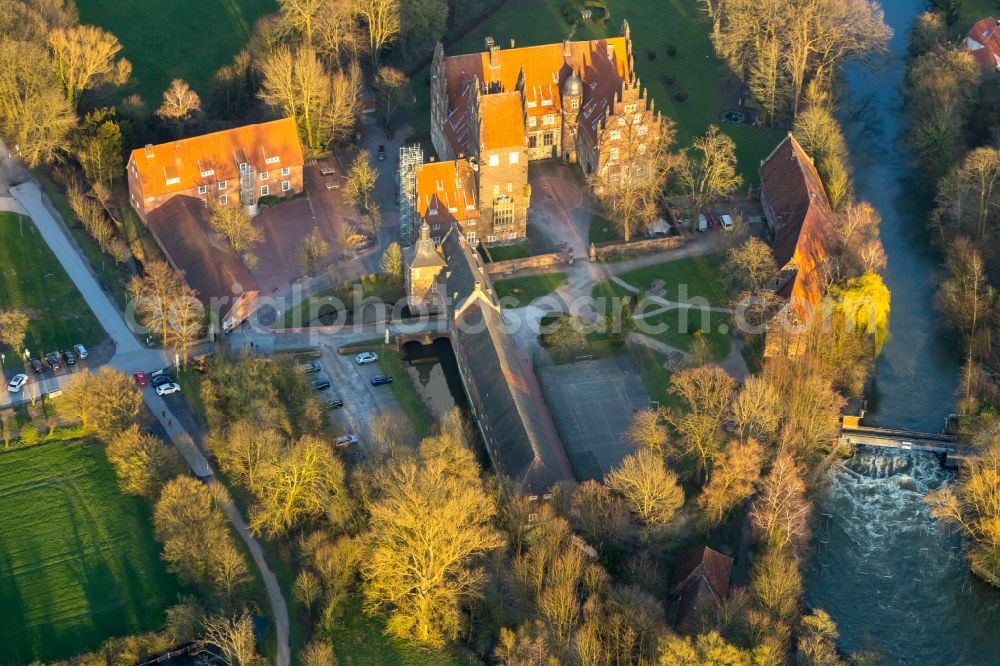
x=603, y=250
x=538, y=261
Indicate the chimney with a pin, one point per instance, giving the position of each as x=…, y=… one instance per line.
x=566, y=50
x=149, y=151
x=494, y=50
x=511, y=42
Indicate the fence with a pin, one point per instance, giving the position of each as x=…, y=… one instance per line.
x=537, y=261
x=604, y=250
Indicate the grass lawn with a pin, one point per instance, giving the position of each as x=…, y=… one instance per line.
x=655, y=377
x=180, y=39
x=78, y=561
x=709, y=84
x=679, y=321
x=402, y=387
x=507, y=252
x=686, y=279
x=526, y=289
x=31, y=278
x=603, y=230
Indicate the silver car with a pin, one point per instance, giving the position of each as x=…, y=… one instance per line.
x=81, y=351
x=17, y=383
x=366, y=357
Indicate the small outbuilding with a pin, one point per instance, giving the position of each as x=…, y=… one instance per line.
x=701, y=577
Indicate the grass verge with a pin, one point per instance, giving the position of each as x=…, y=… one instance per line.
x=402, y=387
x=524, y=290
x=685, y=280
x=78, y=561
x=508, y=252
x=678, y=328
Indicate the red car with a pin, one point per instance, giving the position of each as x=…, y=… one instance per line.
x=140, y=379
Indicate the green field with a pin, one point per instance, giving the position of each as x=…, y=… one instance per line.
x=686, y=279
x=78, y=561
x=679, y=326
x=508, y=252
x=33, y=280
x=526, y=289
x=709, y=84
x=180, y=39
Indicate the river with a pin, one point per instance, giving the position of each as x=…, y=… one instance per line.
x=882, y=567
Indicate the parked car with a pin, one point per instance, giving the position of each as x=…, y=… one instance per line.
x=81, y=351
x=311, y=367
x=321, y=384
x=69, y=357
x=346, y=440
x=52, y=359
x=381, y=153
x=727, y=222
x=334, y=403
x=37, y=366
x=378, y=380
x=17, y=383
x=168, y=388
x=702, y=222
x=160, y=380
x=162, y=371
x=141, y=379
x=332, y=185
x=327, y=170
x=365, y=357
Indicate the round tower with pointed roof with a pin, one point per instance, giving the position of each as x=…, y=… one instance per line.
x=572, y=101
x=423, y=268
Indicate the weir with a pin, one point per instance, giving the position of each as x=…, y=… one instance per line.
x=949, y=448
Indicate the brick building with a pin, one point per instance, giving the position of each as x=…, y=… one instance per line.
x=232, y=167
x=495, y=111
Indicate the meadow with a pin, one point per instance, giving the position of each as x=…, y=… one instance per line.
x=78, y=561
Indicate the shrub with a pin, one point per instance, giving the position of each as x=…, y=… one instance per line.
x=681, y=96
x=29, y=435
x=671, y=50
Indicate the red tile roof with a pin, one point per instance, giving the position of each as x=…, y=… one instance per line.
x=983, y=41
x=181, y=165
x=700, y=576
x=501, y=120
x=803, y=219
x=447, y=188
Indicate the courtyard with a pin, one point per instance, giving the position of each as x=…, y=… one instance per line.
x=592, y=403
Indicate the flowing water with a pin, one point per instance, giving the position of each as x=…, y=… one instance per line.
x=882, y=567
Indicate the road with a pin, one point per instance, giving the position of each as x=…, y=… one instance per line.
x=130, y=356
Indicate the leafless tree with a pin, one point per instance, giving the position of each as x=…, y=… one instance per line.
x=179, y=101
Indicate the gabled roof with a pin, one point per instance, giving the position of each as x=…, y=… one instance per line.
x=181, y=165
x=700, y=576
x=446, y=191
x=983, y=41
x=803, y=219
x=521, y=440
x=501, y=121
x=211, y=267
x=425, y=253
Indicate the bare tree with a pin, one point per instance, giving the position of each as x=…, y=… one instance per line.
x=299, y=16
x=647, y=431
x=360, y=182
x=314, y=253
x=732, y=480
x=234, y=638
x=337, y=35
x=757, y=410
x=705, y=392
x=382, y=21
x=709, y=169
x=967, y=296
x=106, y=402
x=85, y=56
x=751, y=266
x=142, y=462
x=393, y=93
x=235, y=224
x=650, y=489
x=780, y=512
x=179, y=101
x=13, y=328
x=392, y=263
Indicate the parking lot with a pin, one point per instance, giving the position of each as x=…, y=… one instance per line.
x=592, y=403
x=39, y=384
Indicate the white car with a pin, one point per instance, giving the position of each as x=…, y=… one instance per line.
x=366, y=357
x=168, y=388
x=17, y=383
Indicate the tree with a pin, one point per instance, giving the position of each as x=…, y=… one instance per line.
x=158, y=296
x=318, y=653
x=305, y=482
x=751, y=266
x=709, y=171
x=392, y=263
x=865, y=302
x=646, y=431
x=566, y=338
x=780, y=512
x=708, y=649
x=632, y=189
x=821, y=137
x=705, y=393
x=235, y=224
x=234, y=638
x=360, y=182
x=228, y=570
x=817, y=643
x=732, y=480
x=428, y=527
x=192, y=528
x=423, y=24
x=98, y=147
x=179, y=101
x=142, y=462
x=392, y=90
x=244, y=448
x=757, y=410
x=308, y=589
x=382, y=22
x=859, y=246
x=299, y=16
x=13, y=328
x=966, y=295
x=314, y=253
x=776, y=583
x=649, y=488
x=86, y=56
x=968, y=198
x=929, y=30
x=106, y=402
x=91, y=215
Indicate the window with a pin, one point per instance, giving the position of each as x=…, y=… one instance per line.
x=173, y=181
x=436, y=227
x=515, y=157
x=285, y=185
x=471, y=236
x=207, y=172
x=532, y=121
x=285, y=171
x=615, y=135
x=637, y=118
x=222, y=184
x=263, y=175
x=621, y=121
x=224, y=199
x=547, y=139
x=204, y=203
x=549, y=119
x=243, y=167
x=574, y=103
x=630, y=108
x=496, y=190
x=494, y=160
x=264, y=190
x=510, y=188
x=203, y=189
x=613, y=155
x=642, y=130
x=532, y=140
x=272, y=160
x=503, y=211
x=491, y=239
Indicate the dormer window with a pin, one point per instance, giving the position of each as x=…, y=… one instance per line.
x=272, y=160
x=440, y=186
x=207, y=172
x=173, y=181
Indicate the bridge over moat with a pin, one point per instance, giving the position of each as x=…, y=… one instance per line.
x=949, y=448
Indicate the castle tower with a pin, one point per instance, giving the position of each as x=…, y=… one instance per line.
x=572, y=101
x=422, y=273
x=439, y=105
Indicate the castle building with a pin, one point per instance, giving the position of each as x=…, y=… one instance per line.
x=494, y=112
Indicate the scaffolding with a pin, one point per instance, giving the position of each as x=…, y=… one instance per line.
x=410, y=157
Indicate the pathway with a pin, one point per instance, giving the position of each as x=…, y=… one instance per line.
x=131, y=356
